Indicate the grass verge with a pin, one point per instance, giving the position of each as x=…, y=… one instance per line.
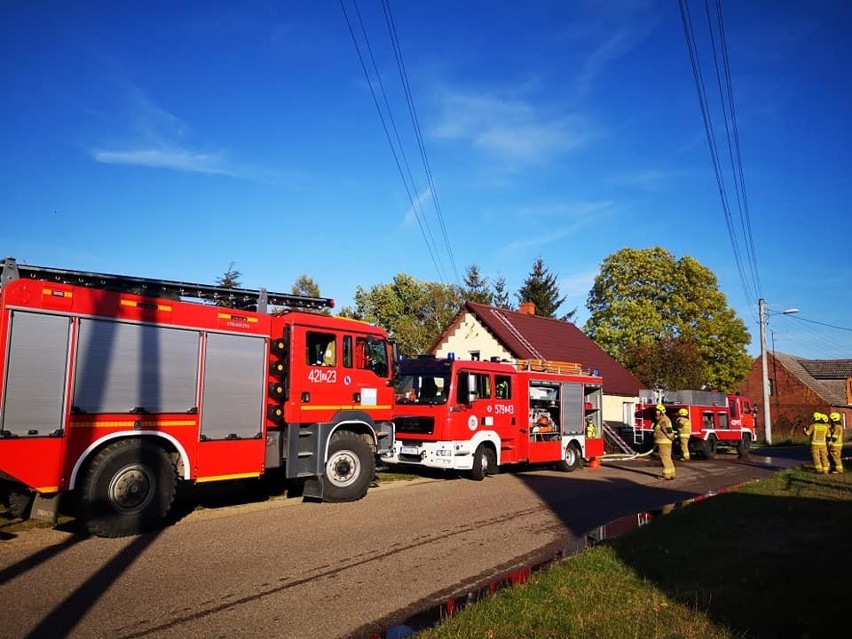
x=768, y=560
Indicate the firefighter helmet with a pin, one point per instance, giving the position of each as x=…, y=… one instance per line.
x=835, y=417
x=660, y=408
x=683, y=412
x=817, y=417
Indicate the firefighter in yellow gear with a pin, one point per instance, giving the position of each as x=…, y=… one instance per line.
x=684, y=431
x=663, y=438
x=835, y=442
x=591, y=430
x=818, y=432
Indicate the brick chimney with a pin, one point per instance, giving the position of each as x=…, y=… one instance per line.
x=527, y=308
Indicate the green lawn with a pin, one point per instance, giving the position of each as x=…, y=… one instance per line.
x=769, y=560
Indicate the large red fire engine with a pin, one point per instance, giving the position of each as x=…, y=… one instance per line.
x=478, y=415
x=716, y=419
x=115, y=388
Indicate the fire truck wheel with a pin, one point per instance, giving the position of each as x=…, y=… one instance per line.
x=128, y=488
x=572, y=460
x=744, y=445
x=350, y=468
x=484, y=462
x=708, y=447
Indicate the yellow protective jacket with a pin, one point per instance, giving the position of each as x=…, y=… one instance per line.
x=684, y=427
x=835, y=435
x=663, y=433
x=818, y=432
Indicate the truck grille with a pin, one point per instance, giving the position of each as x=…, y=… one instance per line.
x=419, y=425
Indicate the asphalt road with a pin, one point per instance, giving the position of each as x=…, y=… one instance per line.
x=287, y=569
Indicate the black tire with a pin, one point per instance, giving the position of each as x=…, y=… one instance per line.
x=484, y=462
x=128, y=488
x=350, y=468
x=573, y=460
x=744, y=445
x=708, y=447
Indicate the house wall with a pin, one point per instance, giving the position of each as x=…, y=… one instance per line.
x=471, y=335
x=792, y=403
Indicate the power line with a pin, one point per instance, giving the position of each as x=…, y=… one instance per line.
x=686, y=18
x=395, y=142
x=389, y=21
x=418, y=213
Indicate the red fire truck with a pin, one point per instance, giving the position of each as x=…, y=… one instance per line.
x=716, y=419
x=478, y=415
x=115, y=388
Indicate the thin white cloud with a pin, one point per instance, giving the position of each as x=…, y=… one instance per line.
x=175, y=158
x=508, y=128
x=577, y=210
x=577, y=284
x=411, y=215
x=156, y=138
x=617, y=45
x=581, y=216
x=648, y=179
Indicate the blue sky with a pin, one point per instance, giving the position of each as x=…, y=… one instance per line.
x=171, y=140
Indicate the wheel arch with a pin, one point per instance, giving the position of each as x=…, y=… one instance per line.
x=170, y=444
x=489, y=438
x=577, y=441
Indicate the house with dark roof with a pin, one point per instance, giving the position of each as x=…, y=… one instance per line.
x=484, y=332
x=799, y=387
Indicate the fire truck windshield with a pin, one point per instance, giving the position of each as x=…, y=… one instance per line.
x=426, y=388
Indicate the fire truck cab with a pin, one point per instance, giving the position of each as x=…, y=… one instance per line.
x=116, y=388
x=716, y=419
x=475, y=416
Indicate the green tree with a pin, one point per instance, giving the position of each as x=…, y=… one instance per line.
x=541, y=289
x=476, y=287
x=306, y=286
x=229, y=279
x=669, y=363
x=643, y=296
x=413, y=311
x=499, y=294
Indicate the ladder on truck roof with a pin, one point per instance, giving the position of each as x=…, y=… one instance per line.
x=242, y=298
x=549, y=366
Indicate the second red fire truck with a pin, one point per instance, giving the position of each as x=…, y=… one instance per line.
x=716, y=419
x=117, y=388
x=475, y=416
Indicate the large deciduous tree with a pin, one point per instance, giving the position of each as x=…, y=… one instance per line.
x=413, y=311
x=541, y=289
x=307, y=286
x=644, y=301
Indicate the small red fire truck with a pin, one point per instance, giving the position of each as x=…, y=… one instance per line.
x=478, y=415
x=116, y=388
x=716, y=419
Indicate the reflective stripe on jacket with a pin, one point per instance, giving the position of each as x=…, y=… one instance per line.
x=817, y=432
